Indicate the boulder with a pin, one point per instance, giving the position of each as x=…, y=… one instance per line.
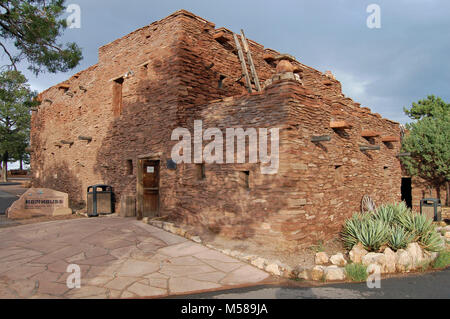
x=304, y=274
x=357, y=253
x=321, y=258
x=391, y=260
x=374, y=258
x=317, y=273
x=258, y=262
x=374, y=269
x=196, y=239
x=416, y=254
x=287, y=271
x=37, y=202
x=338, y=260
x=333, y=273
x=404, y=261
x=274, y=269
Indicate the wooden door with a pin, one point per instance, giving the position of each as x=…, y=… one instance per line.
x=150, y=188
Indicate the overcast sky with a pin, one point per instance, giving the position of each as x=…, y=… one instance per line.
x=384, y=69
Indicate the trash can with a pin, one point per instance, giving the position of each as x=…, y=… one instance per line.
x=99, y=200
x=432, y=208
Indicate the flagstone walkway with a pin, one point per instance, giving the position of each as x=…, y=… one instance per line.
x=119, y=258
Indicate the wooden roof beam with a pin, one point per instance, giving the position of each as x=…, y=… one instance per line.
x=340, y=125
x=369, y=133
x=390, y=139
x=369, y=148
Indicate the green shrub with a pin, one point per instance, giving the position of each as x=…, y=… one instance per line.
x=392, y=224
x=351, y=229
x=372, y=233
x=385, y=213
x=356, y=272
x=423, y=225
x=399, y=238
x=442, y=261
x=431, y=241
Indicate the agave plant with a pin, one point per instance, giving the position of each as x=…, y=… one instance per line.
x=405, y=219
x=399, y=237
x=386, y=213
x=423, y=225
x=351, y=230
x=372, y=233
x=432, y=241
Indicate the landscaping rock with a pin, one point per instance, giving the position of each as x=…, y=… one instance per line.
x=305, y=274
x=258, y=262
x=357, y=253
x=273, y=269
x=416, y=254
x=317, y=273
x=374, y=269
x=169, y=227
x=375, y=258
x=391, y=260
x=333, y=273
x=338, y=260
x=321, y=258
x=196, y=239
x=404, y=261
x=235, y=253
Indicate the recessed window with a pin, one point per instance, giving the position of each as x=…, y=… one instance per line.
x=117, y=96
x=244, y=178
x=200, y=171
x=129, y=167
x=338, y=173
x=221, y=79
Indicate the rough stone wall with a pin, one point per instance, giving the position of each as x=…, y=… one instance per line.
x=318, y=184
x=175, y=67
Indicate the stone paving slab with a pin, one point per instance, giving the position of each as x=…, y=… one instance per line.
x=118, y=257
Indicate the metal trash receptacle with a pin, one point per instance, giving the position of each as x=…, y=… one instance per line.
x=432, y=208
x=99, y=200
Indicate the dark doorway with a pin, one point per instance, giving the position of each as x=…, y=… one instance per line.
x=407, y=191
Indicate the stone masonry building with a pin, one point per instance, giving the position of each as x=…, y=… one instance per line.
x=112, y=124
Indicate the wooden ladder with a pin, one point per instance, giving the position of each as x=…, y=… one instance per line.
x=244, y=64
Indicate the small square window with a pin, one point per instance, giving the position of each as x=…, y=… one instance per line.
x=200, y=171
x=244, y=179
x=129, y=167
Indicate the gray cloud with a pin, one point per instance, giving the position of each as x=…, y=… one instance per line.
x=384, y=69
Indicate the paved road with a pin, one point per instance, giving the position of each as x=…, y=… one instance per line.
x=6, y=199
x=435, y=285
x=118, y=257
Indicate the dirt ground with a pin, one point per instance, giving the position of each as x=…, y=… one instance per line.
x=303, y=257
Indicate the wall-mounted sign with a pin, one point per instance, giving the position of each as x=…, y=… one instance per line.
x=150, y=169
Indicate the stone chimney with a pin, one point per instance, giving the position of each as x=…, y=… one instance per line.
x=285, y=70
